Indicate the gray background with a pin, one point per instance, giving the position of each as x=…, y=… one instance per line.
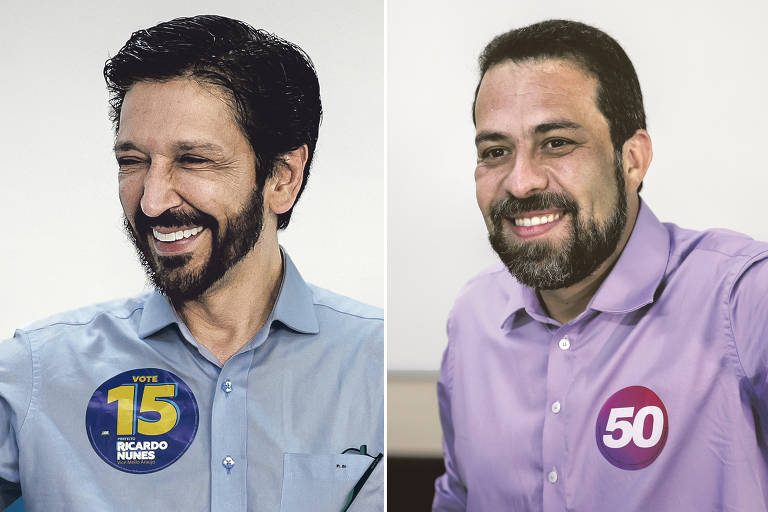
x=702, y=68
x=62, y=242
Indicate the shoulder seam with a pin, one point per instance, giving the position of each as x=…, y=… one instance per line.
x=96, y=315
x=736, y=278
x=34, y=365
x=729, y=254
x=347, y=312
x=451, y=355
x=34, y=357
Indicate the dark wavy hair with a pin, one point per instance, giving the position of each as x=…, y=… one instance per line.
x=619, y=98
x=271, y=83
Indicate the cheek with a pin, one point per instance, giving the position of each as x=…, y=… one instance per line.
x=609, y=202
x=590, y=182
x=130, y=191
x=203, y=194
x=485, y=188
x=607, y=192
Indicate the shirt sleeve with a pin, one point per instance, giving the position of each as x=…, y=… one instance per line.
x=749, y=323
x=15, y=395
x=450, y=491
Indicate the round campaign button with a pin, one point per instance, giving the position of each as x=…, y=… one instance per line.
x=632, y=428
x=142, y=420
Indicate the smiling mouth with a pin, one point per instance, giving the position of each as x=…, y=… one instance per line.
x=536, y=220
x=173, y=236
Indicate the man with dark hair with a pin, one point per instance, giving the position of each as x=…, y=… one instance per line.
x=611, y=362
x=238, y=384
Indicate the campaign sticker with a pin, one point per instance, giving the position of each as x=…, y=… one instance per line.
x=632, y=428
x=142, y=420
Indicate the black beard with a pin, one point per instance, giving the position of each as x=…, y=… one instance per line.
x=229, y=245
x=542, y=266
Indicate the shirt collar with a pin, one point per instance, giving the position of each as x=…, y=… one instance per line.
x=157, y=314
x=634, y=279
x=631, y=284
x=294, y=306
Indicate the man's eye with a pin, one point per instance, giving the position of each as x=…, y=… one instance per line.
x=557, y=143
x=494, y=153
x=127, y=161
x=191, y=159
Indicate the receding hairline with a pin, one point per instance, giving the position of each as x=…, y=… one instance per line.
x=570, y=59
x=216, y=90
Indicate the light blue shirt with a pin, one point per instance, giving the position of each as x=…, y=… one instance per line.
x=117, y=407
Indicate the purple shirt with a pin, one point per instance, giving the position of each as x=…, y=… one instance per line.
x=654, y=398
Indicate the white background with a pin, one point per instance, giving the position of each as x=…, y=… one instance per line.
x=62, y=243
x=703, y=72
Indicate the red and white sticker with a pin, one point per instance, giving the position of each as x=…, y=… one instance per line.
x=632, y=428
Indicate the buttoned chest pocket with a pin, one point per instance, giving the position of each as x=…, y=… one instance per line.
x=320, y=483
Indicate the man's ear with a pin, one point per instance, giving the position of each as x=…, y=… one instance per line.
x=283, y=186
x=637, y=154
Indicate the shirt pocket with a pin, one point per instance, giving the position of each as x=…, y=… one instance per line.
x=320, y=483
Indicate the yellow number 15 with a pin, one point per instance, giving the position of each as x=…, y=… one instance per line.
x=156, y=397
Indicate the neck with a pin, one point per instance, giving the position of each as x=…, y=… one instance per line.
x=565, y=304
x=231, y=312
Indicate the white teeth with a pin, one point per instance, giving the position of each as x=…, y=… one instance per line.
x=536, y=221
x=176, y=235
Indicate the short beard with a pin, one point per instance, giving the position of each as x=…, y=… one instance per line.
x=228, y=247
x=542, y=266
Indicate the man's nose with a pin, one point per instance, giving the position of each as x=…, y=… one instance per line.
x=526, y=177
x=159, y=190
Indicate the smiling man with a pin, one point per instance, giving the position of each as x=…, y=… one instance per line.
x=611, y=362
x=233, y=385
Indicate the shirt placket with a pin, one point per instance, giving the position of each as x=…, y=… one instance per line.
x=554, y=448
x=229, y=428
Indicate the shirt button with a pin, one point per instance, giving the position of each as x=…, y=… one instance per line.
x=552, y=476
x=556, y=407
x=227, y=386
x=228, y=462
x=564, y=344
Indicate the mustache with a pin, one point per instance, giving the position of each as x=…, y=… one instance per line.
x=170, y=218
x=510, y=205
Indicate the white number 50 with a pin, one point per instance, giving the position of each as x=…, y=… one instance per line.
x=633, y=431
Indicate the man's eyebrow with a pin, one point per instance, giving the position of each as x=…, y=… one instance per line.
x=489, y=137
x=180, y=146
x=199, y=145
x=556, y=125
x=539, y=129
x=124, y=146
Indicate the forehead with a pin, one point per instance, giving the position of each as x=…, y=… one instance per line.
x=532, y=92
x=180, y=109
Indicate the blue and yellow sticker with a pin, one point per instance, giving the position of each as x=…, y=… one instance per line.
x=142, y=420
